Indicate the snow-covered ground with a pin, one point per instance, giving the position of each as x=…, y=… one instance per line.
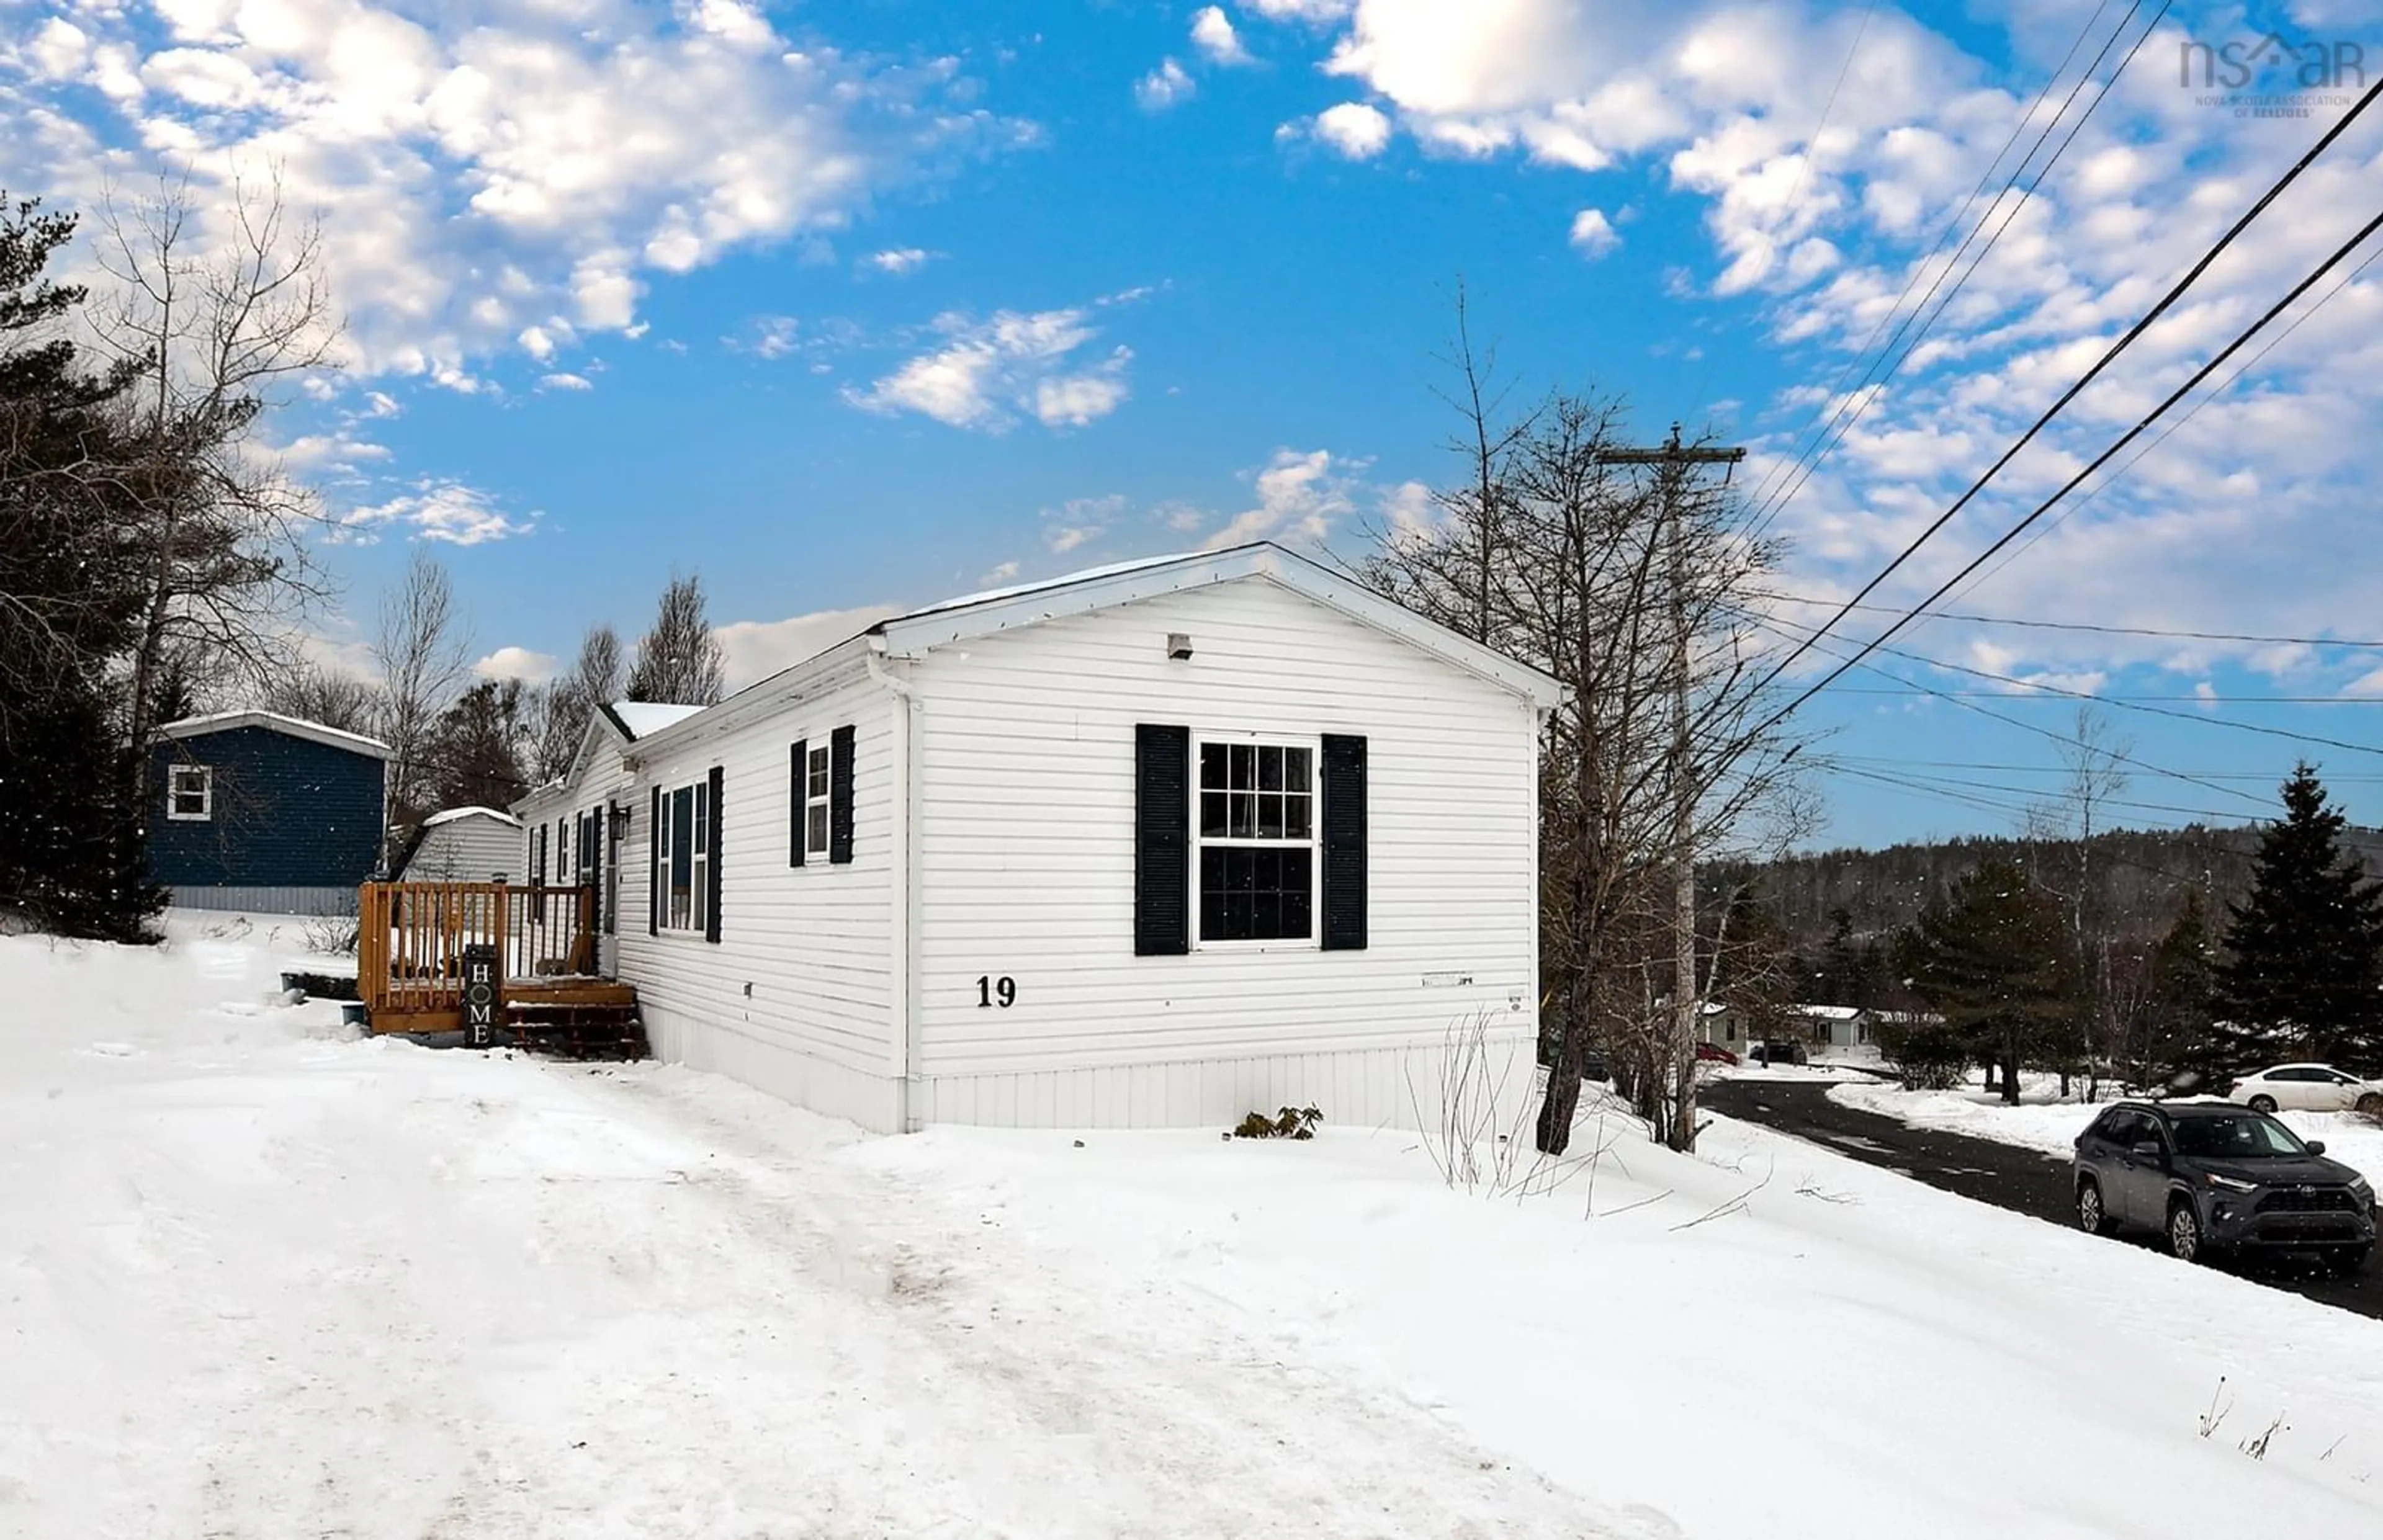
x=259, y=1279
x=2043, y=1121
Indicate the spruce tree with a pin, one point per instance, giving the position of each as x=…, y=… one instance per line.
x=1994, y=957
x=2304, y=949
x=71, y=848
x=2171, y=1030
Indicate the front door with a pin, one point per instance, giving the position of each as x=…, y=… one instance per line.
x=607, y=897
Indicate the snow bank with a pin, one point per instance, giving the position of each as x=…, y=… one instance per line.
x=257, y=1279
x=2052, y=1126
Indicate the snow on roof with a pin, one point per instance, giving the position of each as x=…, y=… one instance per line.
x=1828, y=1012
x=645, y=717
x=1021, y=590
x=452, y=814
x=274, y=721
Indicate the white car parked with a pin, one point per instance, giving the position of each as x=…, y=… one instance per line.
x=2306, y=1088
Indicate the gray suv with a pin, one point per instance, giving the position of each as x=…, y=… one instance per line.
x=2212, y=1176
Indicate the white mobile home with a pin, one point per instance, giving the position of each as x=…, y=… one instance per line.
x=1155, y=845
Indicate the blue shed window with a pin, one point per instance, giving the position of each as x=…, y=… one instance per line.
x=190, y=793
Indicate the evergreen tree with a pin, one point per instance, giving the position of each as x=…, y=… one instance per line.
x=679, y=661
x=71, y=848
x=1995, y=959
x=2171, y=1029
x=2304, y=949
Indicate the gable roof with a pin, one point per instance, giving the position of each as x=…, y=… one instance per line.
x=274, y=721
x=917, y=632
x=996, y=609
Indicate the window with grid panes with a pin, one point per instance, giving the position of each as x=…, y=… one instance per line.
x=1256, y=875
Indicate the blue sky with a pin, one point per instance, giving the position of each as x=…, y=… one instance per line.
x=861, y=305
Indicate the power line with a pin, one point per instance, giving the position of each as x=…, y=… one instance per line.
x=1879, y=644
x=1915, y=688
x=2063, y=769
x=2128, y=436
x=2167, y=302
x=1855, y=405
x=2037, y=692
x=2098, y=629
x=1845, y=371
x=2231, y=380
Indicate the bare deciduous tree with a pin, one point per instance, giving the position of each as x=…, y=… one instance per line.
x=564, y=707
x=421, y=651
x=679, y=661
x=1589, y=573
x=313, y=692
x=215, y=330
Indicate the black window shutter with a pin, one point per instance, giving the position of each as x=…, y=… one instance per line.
x=711, y=865
x=1344, y=843
x=1162, y=841
x=538, y=856
x=654, y=867
x=839, y=796
x=799, y=777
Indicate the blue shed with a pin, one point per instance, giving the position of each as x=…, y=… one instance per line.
x=259, y=811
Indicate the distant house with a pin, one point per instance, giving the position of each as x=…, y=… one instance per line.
x=254, y=810
x=1836, y=1025
x=465, y=844
x=1150, y=846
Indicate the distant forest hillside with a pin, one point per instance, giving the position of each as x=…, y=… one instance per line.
x=2139, y=877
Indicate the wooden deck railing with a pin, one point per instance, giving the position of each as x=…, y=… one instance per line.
x=411, y=937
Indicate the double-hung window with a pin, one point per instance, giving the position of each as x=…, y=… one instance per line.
x=1255, y=877
x=683, y=858
x=817, y=791
x=190, y=793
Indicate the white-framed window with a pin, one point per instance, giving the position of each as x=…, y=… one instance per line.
x=816, y=783
x=1254, y=878
x=682, y=859
x=190, y=793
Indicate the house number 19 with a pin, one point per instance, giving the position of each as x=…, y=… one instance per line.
x=1001, y=992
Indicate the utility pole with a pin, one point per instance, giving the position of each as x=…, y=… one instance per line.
x=1672, y=463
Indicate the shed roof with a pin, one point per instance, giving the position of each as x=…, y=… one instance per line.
x=274, y=721
x=452, y=814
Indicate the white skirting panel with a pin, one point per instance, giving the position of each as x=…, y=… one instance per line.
x=821, y=1086
x=1399, y=1088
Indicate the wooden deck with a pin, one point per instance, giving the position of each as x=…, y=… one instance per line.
x=412, y=938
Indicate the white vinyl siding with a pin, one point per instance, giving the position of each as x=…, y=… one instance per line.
x=1026, y=838
x=797, y=996
x=474, y=848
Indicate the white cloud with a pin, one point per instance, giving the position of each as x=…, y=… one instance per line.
x=901, y=260
x=1300, y=496
x=59, y=48
x=1313, y=12
x=989, y=371
x=1213, y=35
x=1079, y=521
x=1355, y=129
x=482, y=168
x=1165, y=87
x=1007, y=571
x=756, y=650
x=436, y=508
x=1593, y=234
x=514, y=662
x=565, y=382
